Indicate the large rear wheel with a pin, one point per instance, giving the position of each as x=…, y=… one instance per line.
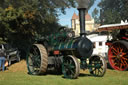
x=118, y=55
x=37, y=60
x=70, y=67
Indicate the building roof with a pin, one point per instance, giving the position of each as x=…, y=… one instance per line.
x=97, y=38
x=113, y=27
x=87, y=17
x=75, y=16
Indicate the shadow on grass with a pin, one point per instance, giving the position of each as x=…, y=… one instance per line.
x=80, y=75
x=84, y=75
x=109, y=66
x=53, y=72
x=47, y=73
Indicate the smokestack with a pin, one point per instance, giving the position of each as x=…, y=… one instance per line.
x=82, y=7
x=82, y=21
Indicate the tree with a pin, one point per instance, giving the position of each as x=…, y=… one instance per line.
x=95, y=15
x=21, y=21
x=91, y=3
x=113, y=11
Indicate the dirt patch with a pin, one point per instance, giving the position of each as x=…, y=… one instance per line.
x=17, y=67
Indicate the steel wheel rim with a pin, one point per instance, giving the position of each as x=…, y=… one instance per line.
x=98, y=66
x=117, y=56
x=34, y=61
x=70, y=67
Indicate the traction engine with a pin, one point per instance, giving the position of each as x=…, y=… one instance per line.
x=62, y=52
x=118, y=46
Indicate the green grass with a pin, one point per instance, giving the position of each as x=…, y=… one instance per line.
x=111, y=77
x=17, y=75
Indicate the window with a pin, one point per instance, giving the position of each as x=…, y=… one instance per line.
x=94, y=45
x=100, y=43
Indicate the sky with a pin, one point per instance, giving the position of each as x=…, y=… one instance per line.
x=65, y=20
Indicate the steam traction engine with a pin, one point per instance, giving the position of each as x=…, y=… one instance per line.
x=60, y=53
x=118, y=46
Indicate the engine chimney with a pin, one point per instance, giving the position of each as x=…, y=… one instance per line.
x=82, y=7
x=82, y=21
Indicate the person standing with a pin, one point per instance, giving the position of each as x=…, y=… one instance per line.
x=2, y=59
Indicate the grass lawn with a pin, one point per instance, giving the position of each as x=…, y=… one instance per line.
x=17, y=75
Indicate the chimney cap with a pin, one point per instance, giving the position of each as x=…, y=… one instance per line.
x=83, y=3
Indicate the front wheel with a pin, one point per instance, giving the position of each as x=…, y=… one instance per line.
x=70, y=67
x=98, y=66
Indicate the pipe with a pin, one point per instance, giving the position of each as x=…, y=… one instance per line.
x=82, y=21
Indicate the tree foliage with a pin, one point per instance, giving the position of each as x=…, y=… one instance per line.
x=95, y=15
x=91, y=3
x=21, y=21
x=113, y=11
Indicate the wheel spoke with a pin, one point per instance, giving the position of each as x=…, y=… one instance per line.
x=125, y=60
x=113, y=48
x=112, y=57
x=118, y=50
x=72, y=72
x=35, y=50
x=70, y=61
x=101, y=68
x=114, y=52
x=123, y=54
x=94, y=72
x=94, y=69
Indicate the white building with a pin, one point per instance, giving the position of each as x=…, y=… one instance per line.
x=99, y=44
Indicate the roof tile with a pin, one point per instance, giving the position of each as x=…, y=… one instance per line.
x=87, y=17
